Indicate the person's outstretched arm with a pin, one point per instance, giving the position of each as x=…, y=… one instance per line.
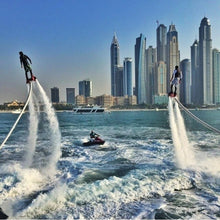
x=28, y=59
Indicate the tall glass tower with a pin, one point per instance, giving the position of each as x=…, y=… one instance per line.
x=216, y=75
x=161, y=42
x=173, y=54
x=115, y=61
x=127, y=72
x=55, y=95
x=140, y=69
x=70, y=95
x=85, y=88
x=205, y=63
x=185, y=94
x=151, y=59
x=195, y=72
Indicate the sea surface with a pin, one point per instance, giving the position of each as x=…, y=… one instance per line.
x=134, y=175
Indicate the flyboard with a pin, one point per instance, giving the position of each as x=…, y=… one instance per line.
x=171, y=94
x=25, y=106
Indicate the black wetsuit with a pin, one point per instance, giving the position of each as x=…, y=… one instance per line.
x=25, y=61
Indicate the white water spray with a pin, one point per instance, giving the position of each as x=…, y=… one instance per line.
x=183, y=149
x=186, y=146
x=33, y=128
x=175, y=135
x=53, y=132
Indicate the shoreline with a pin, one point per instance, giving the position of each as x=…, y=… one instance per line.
x=123, y=110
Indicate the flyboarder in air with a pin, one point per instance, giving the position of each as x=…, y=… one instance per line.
x=25, y=62
x=175, y=81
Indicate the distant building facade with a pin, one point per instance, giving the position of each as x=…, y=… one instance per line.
x=173, y=54
x=55, y=97
x=119, y=87
x=195, y=72
x=186, y=82
x=160, y=77
x=205, y=63
x=127, y=76
x=216, y=75
x=161, y=42
x=80, y=100
x=104, y=100
x=140, y=69
x=151, y=59
x=115, y=62
x=70, y=95
x=85, y=88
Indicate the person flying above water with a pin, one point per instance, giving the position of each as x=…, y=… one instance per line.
x=25, y=62
x=175, y=80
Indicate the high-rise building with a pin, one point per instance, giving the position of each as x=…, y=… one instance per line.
x=85, y=88
x=205, y=63
x=55, y=95
x=115, y=62
x=173, y=54
x=195, y=72
x=140, y=69
x=127, y=76
x=161, y=42
x=119, y=80
x=151, y=59
x=185, y=88
x=70, y=95
x=216, y=75
x=160, y=77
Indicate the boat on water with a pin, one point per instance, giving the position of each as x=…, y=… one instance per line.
x=17, y=111
x=90, y=109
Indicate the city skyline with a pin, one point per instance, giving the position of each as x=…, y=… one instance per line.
x=64, y=48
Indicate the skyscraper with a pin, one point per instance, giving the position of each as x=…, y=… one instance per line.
x=127, y=76
x=85, y=88
x=161, y=42
x=195, y=72
x=205, y=63
x=160, y=77
x=115, y=62
x=173, y=54
x=70, y=95
x=55, y=95
x=185, y=88
x=140, y=69
x=151, y=59
x=216, y=76
x=119, y=81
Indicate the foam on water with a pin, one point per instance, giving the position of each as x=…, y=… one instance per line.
x=105, y=198
x=135, y=179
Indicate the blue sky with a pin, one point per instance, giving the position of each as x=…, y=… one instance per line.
x=69, y=40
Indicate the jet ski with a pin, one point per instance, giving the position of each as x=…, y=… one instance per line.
x=95, y=141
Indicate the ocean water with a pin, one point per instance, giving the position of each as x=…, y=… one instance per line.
x=136, y=174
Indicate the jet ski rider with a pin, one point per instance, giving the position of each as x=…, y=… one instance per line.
x=94, y=136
